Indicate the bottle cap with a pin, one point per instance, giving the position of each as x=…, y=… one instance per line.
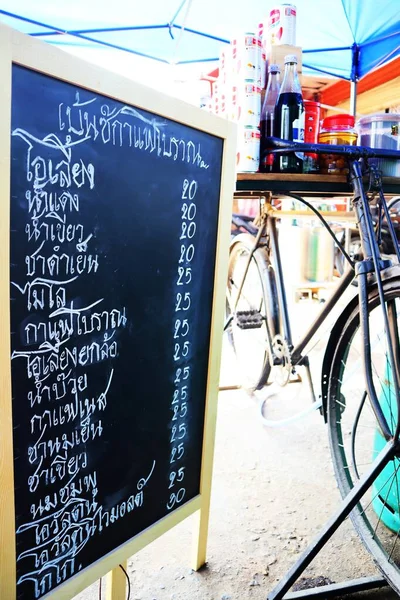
x=274, y=69
x=291, y=58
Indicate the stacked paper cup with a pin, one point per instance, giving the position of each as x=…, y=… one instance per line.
x=279, y=27
x=237, y=94
x=245, y=98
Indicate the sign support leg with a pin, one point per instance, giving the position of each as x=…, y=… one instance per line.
x=116, y=583
x=202, y=516
x=200, y=534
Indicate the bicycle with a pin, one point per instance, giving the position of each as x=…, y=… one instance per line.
x=360, y=379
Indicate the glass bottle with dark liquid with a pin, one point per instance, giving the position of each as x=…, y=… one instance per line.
x=267, y=117
x=289, y=118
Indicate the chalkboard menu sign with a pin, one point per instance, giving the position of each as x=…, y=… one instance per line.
x=113, y=239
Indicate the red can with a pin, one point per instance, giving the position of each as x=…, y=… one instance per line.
x=311, y=130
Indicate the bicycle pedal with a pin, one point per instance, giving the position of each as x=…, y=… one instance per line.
x=248, y=319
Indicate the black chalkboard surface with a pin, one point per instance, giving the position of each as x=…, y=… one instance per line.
x=114, y=216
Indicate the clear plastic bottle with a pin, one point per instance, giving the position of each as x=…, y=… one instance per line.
x=289, y=117
x=267, y=116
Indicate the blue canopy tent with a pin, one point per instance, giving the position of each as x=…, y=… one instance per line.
x=342, y=38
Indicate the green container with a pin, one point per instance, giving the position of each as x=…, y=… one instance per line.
x=319, y=255
x=312, y=266
x=386, y=489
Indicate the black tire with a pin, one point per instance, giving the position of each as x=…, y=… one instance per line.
x=259, y=292
x=355, y=437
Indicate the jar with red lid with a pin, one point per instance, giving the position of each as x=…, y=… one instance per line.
x=339, y=130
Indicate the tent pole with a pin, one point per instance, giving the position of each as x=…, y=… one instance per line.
x=353, y=97
x=355, y=67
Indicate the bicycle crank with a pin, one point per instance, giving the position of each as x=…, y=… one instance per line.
x=283, y=371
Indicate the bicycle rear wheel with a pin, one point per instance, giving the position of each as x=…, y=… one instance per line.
x=355, y=436
x=258, y=298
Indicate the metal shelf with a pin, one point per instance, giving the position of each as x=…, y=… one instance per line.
x=310, y=185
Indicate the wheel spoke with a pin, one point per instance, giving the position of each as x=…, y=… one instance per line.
x=385, y=500
x=250, y=344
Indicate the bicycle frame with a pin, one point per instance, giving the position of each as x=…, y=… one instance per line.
x=372, y=263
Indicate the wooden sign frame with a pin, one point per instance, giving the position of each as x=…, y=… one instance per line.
x=17, y=48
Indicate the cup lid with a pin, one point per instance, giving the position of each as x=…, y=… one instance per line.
x=379, y=118
x=342, y=121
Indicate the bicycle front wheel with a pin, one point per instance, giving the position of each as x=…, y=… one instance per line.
x=355, y=436
x=259, y=299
